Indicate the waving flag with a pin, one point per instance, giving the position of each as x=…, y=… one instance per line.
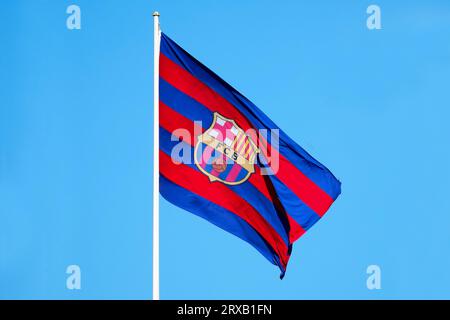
x=224, y=160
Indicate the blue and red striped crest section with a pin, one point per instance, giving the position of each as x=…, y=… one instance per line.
x=220, y=173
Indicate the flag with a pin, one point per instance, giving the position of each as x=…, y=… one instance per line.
x=224, y=160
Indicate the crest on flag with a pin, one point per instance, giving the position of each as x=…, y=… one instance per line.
x=225, y=153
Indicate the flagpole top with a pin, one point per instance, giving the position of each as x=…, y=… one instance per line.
x=156, y=14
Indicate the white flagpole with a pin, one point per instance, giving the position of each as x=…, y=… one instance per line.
x=156, y=43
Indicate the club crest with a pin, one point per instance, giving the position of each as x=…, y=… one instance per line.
x=225, y=153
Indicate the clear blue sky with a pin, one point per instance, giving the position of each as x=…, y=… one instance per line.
x=76, y=142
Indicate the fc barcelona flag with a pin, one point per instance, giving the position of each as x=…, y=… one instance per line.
x=224, y=160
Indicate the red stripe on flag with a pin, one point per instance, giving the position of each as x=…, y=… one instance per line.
x=310, y=193
x=221, y=195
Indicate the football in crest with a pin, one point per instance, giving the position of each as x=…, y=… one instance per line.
x=219, y=165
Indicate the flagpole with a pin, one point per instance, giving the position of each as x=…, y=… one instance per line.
x=156, y=44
